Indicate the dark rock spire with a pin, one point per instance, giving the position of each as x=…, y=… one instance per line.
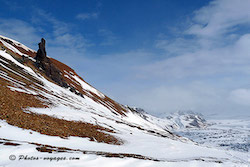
x=41, y=53
x=46, y=66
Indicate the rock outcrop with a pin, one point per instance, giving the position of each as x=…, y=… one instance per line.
x=45, y=65
x=41, y=53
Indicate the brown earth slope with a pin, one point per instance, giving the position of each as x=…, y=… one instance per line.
x=14, y=105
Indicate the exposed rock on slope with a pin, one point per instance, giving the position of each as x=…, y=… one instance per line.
x=45, y=64
x=41, y=53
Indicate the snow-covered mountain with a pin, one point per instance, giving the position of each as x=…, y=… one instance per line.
x=175, y=121
x=188, y=119
x=50, y=116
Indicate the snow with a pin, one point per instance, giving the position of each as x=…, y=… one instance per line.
x=227, y=134
x=14, y=81
x=11, y=47
x=13, y=71
x=175, y=121
x=87, y=160
x=9, y=57
x=88, y=87
x=17, y=51
x=169, y=151
x=70, y=75
x=140, y=135
x=17, y=43
x=135, y=119
x=23, y=90
x=4, y=61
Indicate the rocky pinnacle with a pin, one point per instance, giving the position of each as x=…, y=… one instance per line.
x=41, y=53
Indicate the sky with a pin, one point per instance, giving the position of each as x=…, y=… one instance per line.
x=159, y=55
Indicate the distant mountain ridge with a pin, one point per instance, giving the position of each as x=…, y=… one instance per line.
x=177, y=120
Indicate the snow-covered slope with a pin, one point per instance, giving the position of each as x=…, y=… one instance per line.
x=47, y=108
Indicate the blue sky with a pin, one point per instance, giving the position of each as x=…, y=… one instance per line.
x=125, y=25
x=161, y=55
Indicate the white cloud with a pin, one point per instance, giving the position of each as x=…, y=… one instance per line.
x=62, y=43
x=86, y=16
x=19, y=30
x=177, y=46
x=202, y=62
x=215, y=49
x=164, y=99
x=217, y=52
x=108, y=37
x=42, y=18
x=241, y=96
x=220, y=17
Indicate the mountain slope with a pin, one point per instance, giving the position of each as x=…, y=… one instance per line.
x=47, y=107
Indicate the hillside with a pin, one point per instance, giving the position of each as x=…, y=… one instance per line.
x=47, y=110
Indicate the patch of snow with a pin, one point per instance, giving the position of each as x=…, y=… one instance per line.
x=85, y=160
x=4, y=61
x=163, y=149
x=23, y=90
x=9, y=57
x=18, y=44
x=88, y=87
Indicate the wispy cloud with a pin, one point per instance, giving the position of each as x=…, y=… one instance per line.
x=12, y=5
x=108, y=37
x=213, y=51
x=86, y=16
x=220, y=17
x=241, y=96
x=209, y=51
x=19, y=30
x=202, y=62
x=62, y=42
x=42, y=18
